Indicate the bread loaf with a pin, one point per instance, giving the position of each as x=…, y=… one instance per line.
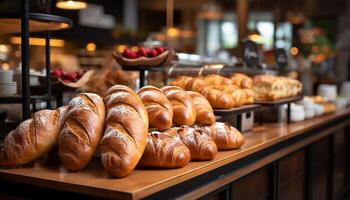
x=217, y=98
x=33, y=137
x=204, y=111
x=126, y=131
x=159, y=108
x=201, y=146
x=183, y=107
x=165, y=150
x=224, y=135
x=82, y=130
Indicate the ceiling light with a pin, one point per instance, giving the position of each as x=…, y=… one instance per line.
x=71, y=4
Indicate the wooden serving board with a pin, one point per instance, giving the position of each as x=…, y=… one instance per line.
x=95, y=181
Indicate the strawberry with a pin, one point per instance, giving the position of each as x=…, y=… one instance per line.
x=159, y=50
x=66, y=81
x=152, y=53
x=142, y=52
x=129, y=54
x=72, y=76
x=57, y=73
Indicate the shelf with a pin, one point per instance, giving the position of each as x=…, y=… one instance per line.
x=18, y=99
x=236, y=111
x=280, y=101
x=38, y=22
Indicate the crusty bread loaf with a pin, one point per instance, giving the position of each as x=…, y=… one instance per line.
x=33, y=137
x=183, y=107
x=159, y=108
x=126, y=131
x=165, y=150
x=204, y=111
x=217, y=98
x=82, y=130
x=201, y=146
x=224, y=135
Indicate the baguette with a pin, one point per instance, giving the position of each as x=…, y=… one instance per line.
x=33, y=137
x=82, y=131
x=126, y=131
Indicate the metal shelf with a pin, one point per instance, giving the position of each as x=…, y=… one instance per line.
x=19, y=99
x=38, y=22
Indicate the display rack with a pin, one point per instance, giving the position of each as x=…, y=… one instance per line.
x=24, y=23
x=143, y=69
x=235, y=114
x=279, y=102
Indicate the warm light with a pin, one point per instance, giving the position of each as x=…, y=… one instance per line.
x=172, y=32
x=254, y=37
x=91, y=46
x=120, y=48
x=38, y=41
x=71, y=5
x=5, y=66
x=294, y=51
x=3, y=48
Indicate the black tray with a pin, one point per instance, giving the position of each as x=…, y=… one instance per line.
x=236, y=111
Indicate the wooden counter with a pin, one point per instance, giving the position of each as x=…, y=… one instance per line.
x=268, y=141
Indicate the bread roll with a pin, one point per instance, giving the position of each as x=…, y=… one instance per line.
x=204, y=111
x=165, y=150
x=224, y=135
x=240, y=97
x=126, y=131
x=183, y=107
x=33, y=137
x=159, y=108
x=82, y=130
x=217, y=98
x=201, y=146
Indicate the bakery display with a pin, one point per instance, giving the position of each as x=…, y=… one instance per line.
x=183, y=107
x=126, y=131
x=159, y=108
x=215, y=79
x=165, y=150
x=224, y=135
x=201, y=145
x=33, y=137
x=270, y=88
x=204, y=111
x=82, y=130
x=144, y=56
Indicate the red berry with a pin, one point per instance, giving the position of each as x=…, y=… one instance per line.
x=66, y=81
x=152, y=53
x=57, y=73
x=159, y=50
x=129, y=54
x=72, y=76
x=142, y=52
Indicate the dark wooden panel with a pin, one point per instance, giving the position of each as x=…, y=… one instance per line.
x=293, y=189
x=254, y=186
x=291, y=166
x=339, y=162
x=320, y=169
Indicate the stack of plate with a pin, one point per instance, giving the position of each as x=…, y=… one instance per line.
x=7, y=86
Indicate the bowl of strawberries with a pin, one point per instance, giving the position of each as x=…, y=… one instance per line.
x=71, y=79
x=155, y=56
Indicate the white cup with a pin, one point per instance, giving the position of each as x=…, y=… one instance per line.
x=6, y=76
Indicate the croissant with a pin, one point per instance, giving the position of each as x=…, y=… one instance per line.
x=126, y=131
x=201, y=146
x=217, y=98
x=165, y=150
x=195, y=84
x=183, y=107
x=224, y=135
x=33, y=137
x=82, y=131
x=215, y=79
x=159, y=108
x=180, y=81
x=242, y=80
x=204, y=111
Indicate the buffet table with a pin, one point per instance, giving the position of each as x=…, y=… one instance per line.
x=265, y=145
